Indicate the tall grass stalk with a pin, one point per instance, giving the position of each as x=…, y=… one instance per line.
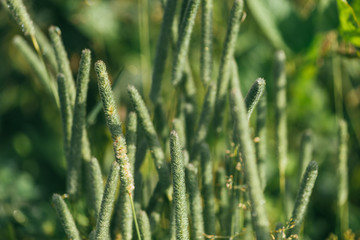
x=144, y=226
x=179, y=198
x=66, y=114
x=302, y=199
x=38, y=68
x=254, y=95
x=204, y=121
x=306, y=149
x=280, y=123
x=342, y=177
x=22, y=18
x=114, y=124
x=206, y=41
x=46, y=48
x=95, y=185
x=243, y=138
x=162, y=48
x=65, y=217
x=151, y=137
x=225, y=63
x=107, y=204
x=197, y=222
x=62, y=61
x=79, y=120
x=182, y=47
x=207, y=190
x=123, y=211
x=261, y=139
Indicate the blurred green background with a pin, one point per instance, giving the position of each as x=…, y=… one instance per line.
x=124, y=35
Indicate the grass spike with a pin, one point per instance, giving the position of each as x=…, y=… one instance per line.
x=162, y=48
x=46, y=48
x=280, y=123
x=182, y=47
x=306, y=149
x=222, y=194
x=205, y=120
x=21, y=16
x=77, y=127
x=66, y=113
x=302, y=198
x=178, y=126
x=196, y=212
x=342, y=175
x=254, y=94
x=124, y=210
x=131, y=132
x=107, y=204
x=207, y=190
x=226, y=56
x=144, y=226
x=190, y=105
x=243, y=138
x=66, y=219
x=62, y=60
x=95, y=185
x=151, y=137
x=179, y=198
x=206, y=41
x=114, y=125
x=38, y=68
x=261, y=143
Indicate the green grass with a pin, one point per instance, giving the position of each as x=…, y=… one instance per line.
x=232, y=167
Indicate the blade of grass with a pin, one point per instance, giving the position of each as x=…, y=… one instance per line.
x=226, y=56
x=306, y=149
x=66, y=219
x=74, y=167
x=206, y=41
x=204, y=121
x=302, y=199
x=254, y=94
x=107, y=204
x=207, y=190
x=62, y=61
x=197, y=222
x=36, y=65
x=243, y=138
x=342, y=176
x=261, y=139
x=178, y=172
x=280, y=123
x=182, y=47
x=151, y=137
x=162, y=49
x=95, y=185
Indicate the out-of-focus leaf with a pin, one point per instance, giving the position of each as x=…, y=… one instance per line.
x=349, y=24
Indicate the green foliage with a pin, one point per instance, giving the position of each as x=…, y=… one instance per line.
x=232, y=192
x=349, y=24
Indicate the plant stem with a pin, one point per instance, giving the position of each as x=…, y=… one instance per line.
x=233, y=28
x=183, y=42
x=280, y=124
x=302, y=199
x=79, y=120
x=206, y=41
x=65, y=217
x=243, y=138
x=178, y=172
